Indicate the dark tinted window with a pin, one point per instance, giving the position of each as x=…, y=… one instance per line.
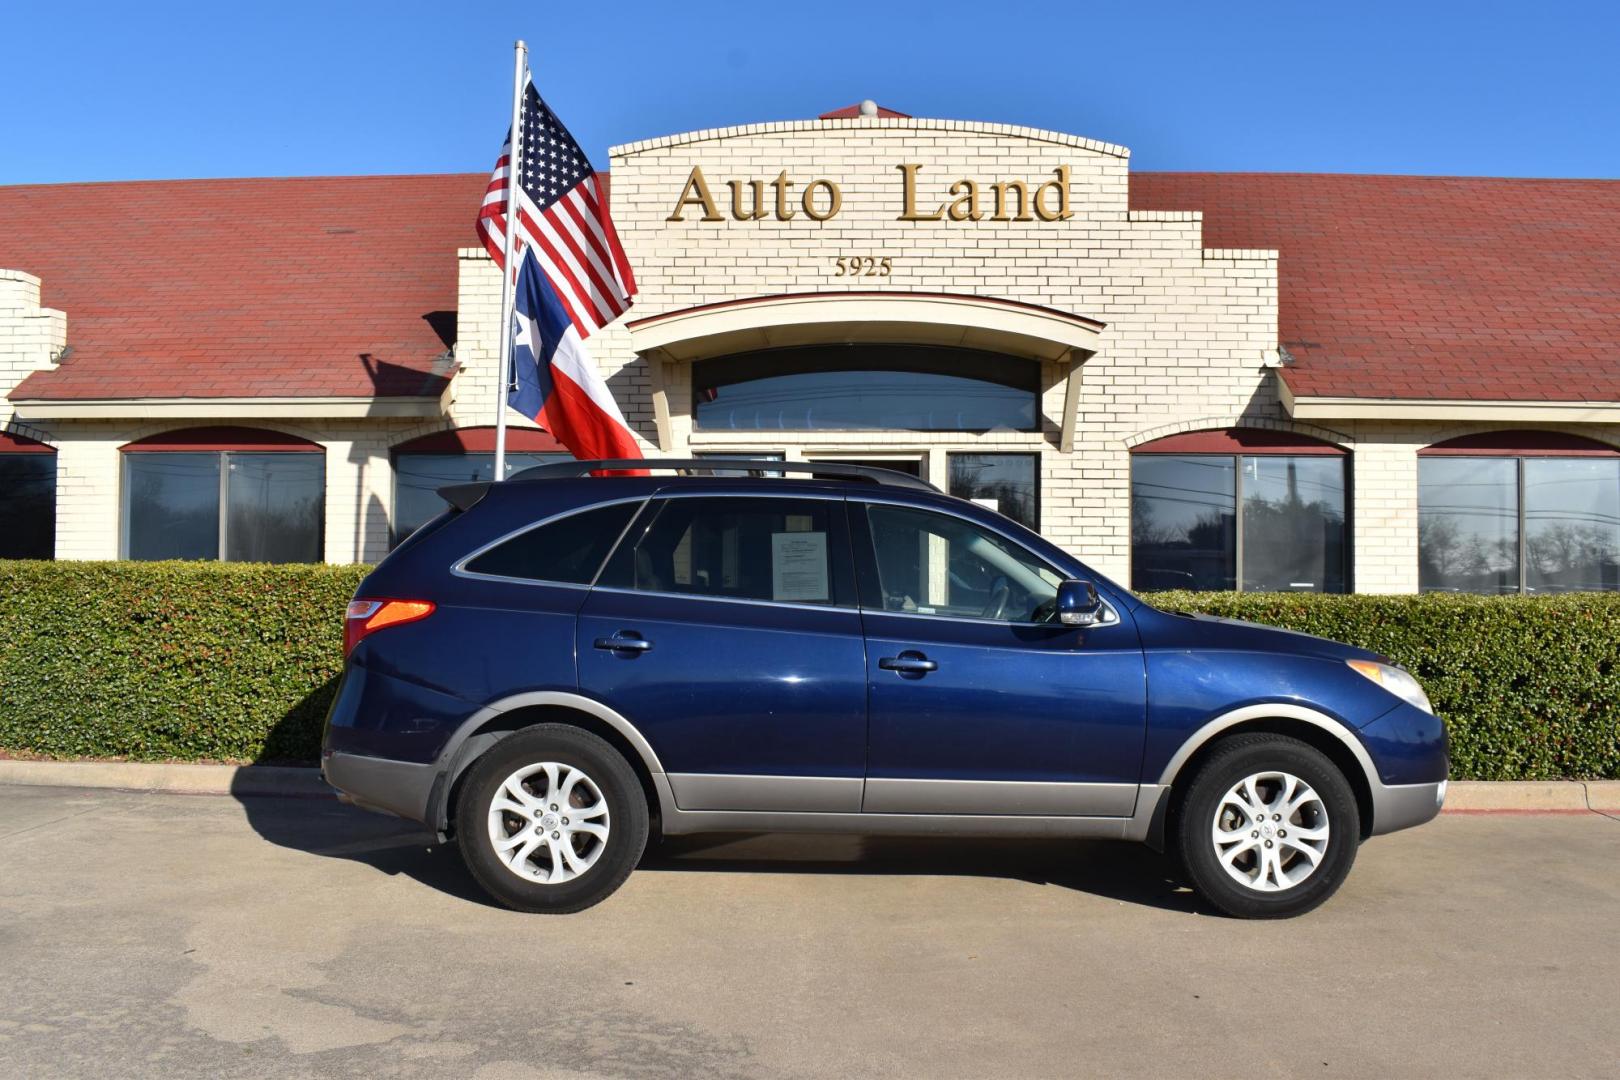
x=1192, y=514
x=1571, y=524
x=567, y=550
x=172, y=505
x=733, y=548
x=272, y=505
x=1469, y=524
x=865, y=388
x=27, y=506
x=1294, y=536
x=1183, y=522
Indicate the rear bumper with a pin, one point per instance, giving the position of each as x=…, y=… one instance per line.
x=403, y=788
x=1401, y=806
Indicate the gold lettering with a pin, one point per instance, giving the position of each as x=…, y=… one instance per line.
x=1061, y=185
x=696, y=193
x=782, y=185
x=759, y=209
x=909, y=212
x=1002, y=190
x=966, y=207
x=835, y=199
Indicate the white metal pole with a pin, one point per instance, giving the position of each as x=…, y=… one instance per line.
x=519, y=71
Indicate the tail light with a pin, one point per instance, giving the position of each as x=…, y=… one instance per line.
x=366, y=617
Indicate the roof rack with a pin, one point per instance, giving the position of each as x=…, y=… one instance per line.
x=558, y=470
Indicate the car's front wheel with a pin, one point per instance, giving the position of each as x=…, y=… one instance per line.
x=1269, y=827
x=551, y=819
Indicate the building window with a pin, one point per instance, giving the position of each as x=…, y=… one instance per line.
x=27, y=498
x=235, y=494
x=1517, y=511
x=742, y=455
x=1239, y=509
x=866, y=388
x=464, y=456
x=1006, y=483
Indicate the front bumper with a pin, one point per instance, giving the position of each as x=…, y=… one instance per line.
x=403, y=788
x=1401, y=806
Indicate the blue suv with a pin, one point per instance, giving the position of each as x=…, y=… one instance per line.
x=561, y=663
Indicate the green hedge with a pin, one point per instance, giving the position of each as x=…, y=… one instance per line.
x=1529, y=685
x=157, y=661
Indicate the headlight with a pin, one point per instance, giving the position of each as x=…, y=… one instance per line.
x=1396, y=680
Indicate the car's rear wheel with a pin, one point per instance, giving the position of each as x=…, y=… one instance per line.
x=1269, y=827
x=551, y=819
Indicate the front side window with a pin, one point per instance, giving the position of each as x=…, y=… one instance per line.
x=418, y=478
x=1519, y=523
x=865, y=388
x=240, y=506
x=1273, y=522
x=27, y=501
x=771, y=549
x=935, y=564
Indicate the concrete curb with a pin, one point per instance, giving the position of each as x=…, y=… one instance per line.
x=1463, y=796
x=294, y=781
x=1533, y=796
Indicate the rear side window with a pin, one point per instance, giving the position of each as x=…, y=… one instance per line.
x=566, y=550
x=780, y=550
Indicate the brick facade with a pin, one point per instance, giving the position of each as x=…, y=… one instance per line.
x=1191, y=338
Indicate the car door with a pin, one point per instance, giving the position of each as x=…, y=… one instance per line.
x=978, y=704
x=725, y=628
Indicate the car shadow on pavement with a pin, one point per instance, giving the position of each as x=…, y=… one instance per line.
x=1129, y=873
x=330, y=829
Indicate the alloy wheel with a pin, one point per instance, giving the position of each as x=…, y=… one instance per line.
x=549, y=823
x=1270, y=831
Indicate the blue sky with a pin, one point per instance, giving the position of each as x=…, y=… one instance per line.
x=106, y=91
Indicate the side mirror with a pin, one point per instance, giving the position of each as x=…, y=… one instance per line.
x=1078, y=603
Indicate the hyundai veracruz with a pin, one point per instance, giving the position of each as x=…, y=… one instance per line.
x=562, y=663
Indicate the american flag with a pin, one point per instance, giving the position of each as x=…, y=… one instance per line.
x=562, y=219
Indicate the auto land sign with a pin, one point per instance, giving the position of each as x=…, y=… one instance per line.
x=821, y=199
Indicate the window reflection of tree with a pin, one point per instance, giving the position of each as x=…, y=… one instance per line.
x=1469, y=533
x=174, y=506
x=273, y=512
x=1184, y=522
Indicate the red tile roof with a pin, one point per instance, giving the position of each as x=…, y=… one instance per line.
x=1427, y=287
x=331, y=286
x=850, y=111
x=1411, y=287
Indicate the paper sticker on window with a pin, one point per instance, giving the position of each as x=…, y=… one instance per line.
x=799, y=566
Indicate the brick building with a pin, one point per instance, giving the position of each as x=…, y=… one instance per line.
x=1310, y=382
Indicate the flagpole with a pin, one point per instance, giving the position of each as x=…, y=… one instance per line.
x=519, y=67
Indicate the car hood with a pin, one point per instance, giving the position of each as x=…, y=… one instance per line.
x=1216, y=632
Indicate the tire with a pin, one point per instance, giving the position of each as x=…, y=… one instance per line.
x=1244, y=852
x=554, y=862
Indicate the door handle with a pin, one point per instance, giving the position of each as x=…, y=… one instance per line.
x=625, y=641
x=909, y=662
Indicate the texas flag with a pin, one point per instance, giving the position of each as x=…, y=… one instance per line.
x=572, y=279
x=554, y=380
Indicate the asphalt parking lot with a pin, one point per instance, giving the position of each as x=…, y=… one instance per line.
x=172, y=935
